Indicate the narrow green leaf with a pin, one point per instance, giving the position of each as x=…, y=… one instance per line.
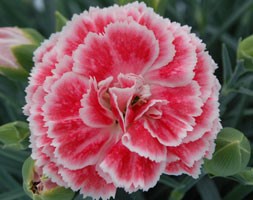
x=226, y=64
x=207, y=189
x=179, y=192
x=12, y=195
x=9, y=181
x=167, y=180
x=230, y=20
x=239, y=69
x=17, y=156
x=238, y=193
x=246, y=91
x=60, y=21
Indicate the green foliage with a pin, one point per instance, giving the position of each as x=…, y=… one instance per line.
x=60, y=21
x=14, y=135
x=24, y=54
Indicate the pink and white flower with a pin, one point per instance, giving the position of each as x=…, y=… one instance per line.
x=118, y=97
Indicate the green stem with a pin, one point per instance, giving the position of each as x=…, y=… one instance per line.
x=179, y=192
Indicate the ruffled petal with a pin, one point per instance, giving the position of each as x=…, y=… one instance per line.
x=180, y=71
x=178, y=168
x=190, y=152
x=64, y=101
x=124, y=48
x=88, y=182
x=94, y=112
x=76, y=145
x=119, y=162
x=138, y=140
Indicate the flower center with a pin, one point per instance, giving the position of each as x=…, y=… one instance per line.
x=119, y=102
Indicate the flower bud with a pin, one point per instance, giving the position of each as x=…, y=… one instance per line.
x=39, y=187
x=245, y=52
x=232, y=154
x=16, y=51
x=14, y=135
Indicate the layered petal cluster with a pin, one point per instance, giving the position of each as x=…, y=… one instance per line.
x=118, y=97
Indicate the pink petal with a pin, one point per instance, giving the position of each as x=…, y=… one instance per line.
x=184, y=102
x=179, y=71
x=74, y=33
x=40, y=72
x=80, y=147
x=125, y=48
x=204, y=121
x=138, y=140
x=52, y=170
x=90, y=183
x=204, y=74
x=190, y=152
x=211, y=136
x=135, y=48
x=94, y=58
x=159, y=27
x=178, y=116
x=36, y=118
x=178, y=168
x=46, y=47
x=119, y=162
x=93, y=112
x=64, y=100
x=65, y=65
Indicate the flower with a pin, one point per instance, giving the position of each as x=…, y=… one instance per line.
x=14, y=44
x=118, y=97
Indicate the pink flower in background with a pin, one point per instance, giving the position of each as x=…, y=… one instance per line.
x=118, y=97
x=11, y=37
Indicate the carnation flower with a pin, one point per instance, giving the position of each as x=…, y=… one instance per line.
x=119, y=97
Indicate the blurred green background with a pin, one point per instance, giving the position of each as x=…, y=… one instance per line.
x=219, y=23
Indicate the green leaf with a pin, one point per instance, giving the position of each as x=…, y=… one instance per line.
x=14, y=74
x=184, y=186
x=226, y=64
x=24, y=55
x=239, y=193
x=169, y=181
x=232, y=153
x=60, y=21
x=207, y=189
x=14, y=135
x=12, y=195
x=246, y=91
